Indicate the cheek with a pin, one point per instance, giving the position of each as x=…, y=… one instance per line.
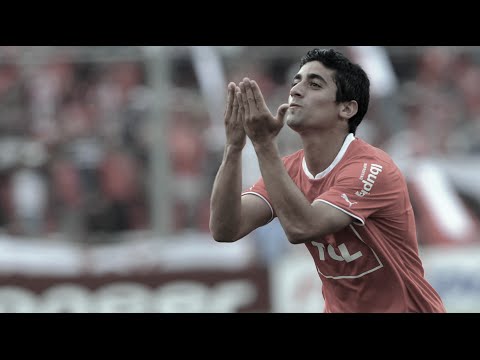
x=326, y=107
x=324, y=102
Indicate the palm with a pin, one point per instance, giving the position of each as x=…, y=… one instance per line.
x=259, y=123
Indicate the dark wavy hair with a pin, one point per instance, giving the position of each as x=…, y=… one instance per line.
x=351, y=80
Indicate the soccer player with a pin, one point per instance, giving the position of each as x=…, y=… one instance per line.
x=343, y=198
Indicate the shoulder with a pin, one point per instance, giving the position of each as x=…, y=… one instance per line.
x=363, y=152
x=367, y=163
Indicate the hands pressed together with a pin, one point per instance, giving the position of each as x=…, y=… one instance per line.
x=246, y=114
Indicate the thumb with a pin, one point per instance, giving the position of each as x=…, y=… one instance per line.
x=281, y=113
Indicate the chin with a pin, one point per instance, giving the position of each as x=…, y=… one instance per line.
x=292, y=124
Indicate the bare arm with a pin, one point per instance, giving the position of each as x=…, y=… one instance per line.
x=231, y=215
x=301, y=221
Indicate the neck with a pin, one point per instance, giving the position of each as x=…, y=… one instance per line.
x=321, y=149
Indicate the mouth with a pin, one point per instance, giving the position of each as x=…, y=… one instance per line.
x=294, y=105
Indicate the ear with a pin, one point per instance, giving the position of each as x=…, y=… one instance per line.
x=348, y=109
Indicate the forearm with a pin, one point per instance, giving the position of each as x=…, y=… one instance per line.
x=293, y=210
x=225, y=201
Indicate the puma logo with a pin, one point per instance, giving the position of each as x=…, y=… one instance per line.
x=345, y=197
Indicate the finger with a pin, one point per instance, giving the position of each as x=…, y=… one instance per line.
x=241, y=112
x=230, y=98
x=282, y=110
x=250, y=97
x=234, y=107
x=260, y=101
x=246, y=108
x=241, y=109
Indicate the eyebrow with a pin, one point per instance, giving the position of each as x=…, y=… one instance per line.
x=311, y=76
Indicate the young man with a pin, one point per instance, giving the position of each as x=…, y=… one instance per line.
x=343, y=198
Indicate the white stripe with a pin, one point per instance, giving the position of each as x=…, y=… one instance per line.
x=261, y=197
x=448, y=211
x=361, y=222
x=360, y=275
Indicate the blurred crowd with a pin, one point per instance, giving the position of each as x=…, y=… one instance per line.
x=75, y=140
x=72, y=152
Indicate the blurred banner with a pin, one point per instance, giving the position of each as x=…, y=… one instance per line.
x=192, y=291
x=453, y=272
x=192, y=275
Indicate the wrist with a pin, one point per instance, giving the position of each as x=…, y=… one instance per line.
x=265, y=147
x=233, y=150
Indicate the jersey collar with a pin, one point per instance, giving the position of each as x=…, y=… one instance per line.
x=348, y=140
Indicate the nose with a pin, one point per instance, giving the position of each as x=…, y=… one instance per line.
x=296, y=91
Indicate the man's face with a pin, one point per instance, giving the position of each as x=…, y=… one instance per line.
x=312, y=99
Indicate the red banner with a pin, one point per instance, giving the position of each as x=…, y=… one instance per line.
x=170, y=292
